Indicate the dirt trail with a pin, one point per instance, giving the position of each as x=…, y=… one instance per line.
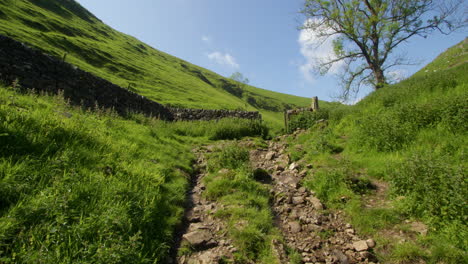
x=320, y=236
x=317, y=234
x=203, y=235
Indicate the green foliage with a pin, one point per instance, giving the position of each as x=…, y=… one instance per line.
x=331, y=185
x=247, y=209
x=368, y=32
x=432, y=187
x=318, y=141
x=82, y=186
x=414, y=135
x=455, y=115
x=90, y=186
x=331, y=113
x=229, y=157
x=227, y=128
x=383, y=132
x=408, y=252
x=307, y=119
x=389, y=124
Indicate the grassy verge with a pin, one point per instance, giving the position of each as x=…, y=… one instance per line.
x=90, y=186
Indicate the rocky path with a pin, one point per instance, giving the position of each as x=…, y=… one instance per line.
x=203, y=239
x=318, y=235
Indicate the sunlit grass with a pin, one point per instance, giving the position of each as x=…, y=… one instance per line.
x=93, y=187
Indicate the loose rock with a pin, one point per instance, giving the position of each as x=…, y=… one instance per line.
x=360, y=245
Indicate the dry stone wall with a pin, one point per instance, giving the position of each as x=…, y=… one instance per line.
x=203, y=114
x=36, y=70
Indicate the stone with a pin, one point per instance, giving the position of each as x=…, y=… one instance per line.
x=316, y=203
x=289, y=180
x=419, y=227
x=293, y=166
x=200, y=239
x=270, y=155
x=370, y=243
x=208, y=257
x=298, y=200
x=360, y=245
x=193, y=217
x=365, y=254
x=293, y=214
x=223, y=171
x=342, y=258
x=295, y=227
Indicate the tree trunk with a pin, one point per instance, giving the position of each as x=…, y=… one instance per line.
x=379, y=78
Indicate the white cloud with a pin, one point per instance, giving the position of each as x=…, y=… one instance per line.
x=315, y=49
x=207, y=39
x=397, y=75
x=223, y=59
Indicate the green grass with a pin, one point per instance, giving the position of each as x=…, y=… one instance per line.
x=64, y=27
x=231, y=182
x=413, y=135
x=91, y=187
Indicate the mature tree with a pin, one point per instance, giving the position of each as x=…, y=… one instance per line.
x=365, y=33
x=238, y=77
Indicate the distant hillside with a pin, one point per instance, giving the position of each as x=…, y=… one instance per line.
x=64, y=27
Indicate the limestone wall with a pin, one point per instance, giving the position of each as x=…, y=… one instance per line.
x=202, y=114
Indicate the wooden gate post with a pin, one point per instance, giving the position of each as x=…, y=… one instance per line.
x=315, y=103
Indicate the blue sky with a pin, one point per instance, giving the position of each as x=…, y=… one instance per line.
x=259, y=38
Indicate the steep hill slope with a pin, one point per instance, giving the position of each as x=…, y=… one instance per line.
x=64, y=27
x=396, y=163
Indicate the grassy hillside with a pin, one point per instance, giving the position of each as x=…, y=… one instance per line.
x=396, y=163
x=64, y=27
x=92, y=187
